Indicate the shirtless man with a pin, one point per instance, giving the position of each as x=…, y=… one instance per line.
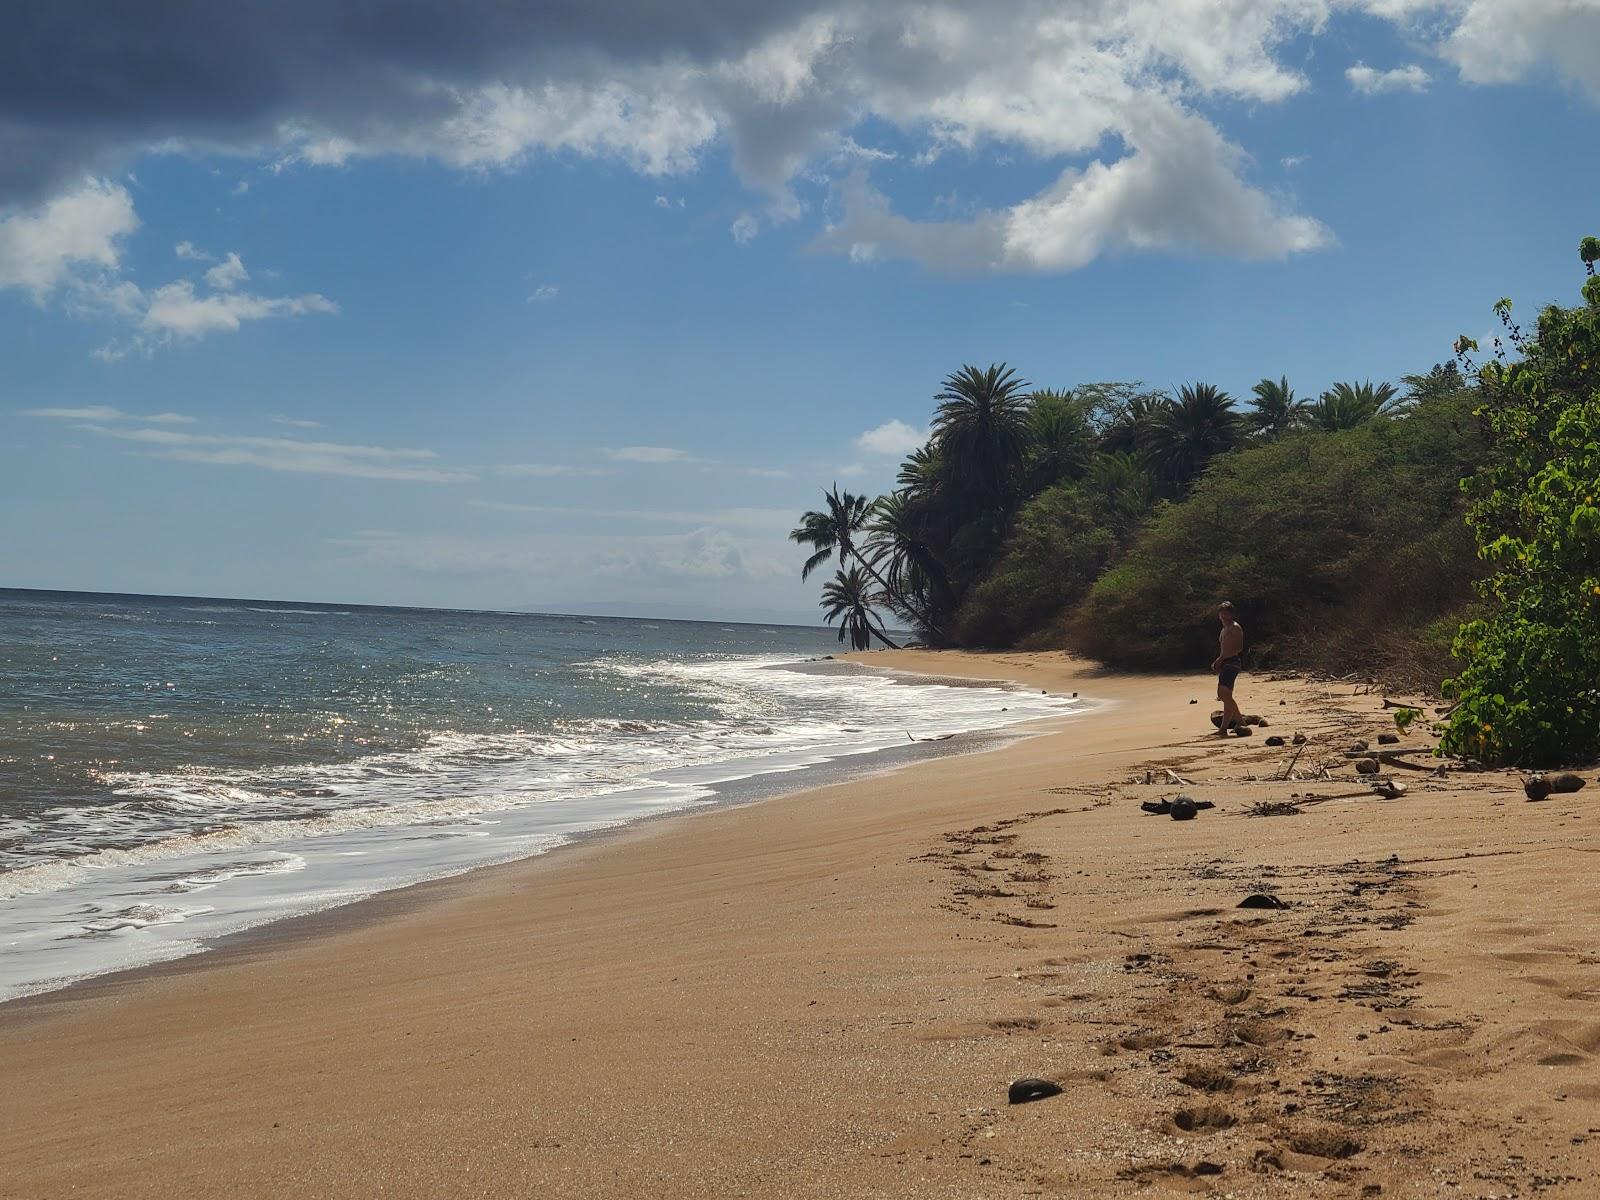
x=1230, y=645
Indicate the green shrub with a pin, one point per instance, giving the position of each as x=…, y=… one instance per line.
x=1325, y=542
x=1530, y=690
x=1056, y=548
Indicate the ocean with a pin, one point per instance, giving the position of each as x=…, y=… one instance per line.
x=175, y=770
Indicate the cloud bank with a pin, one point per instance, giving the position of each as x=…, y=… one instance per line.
x=1117, y=97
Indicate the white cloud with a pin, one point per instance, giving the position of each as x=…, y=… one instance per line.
x=1290, y=162
x=853, y=470
x=650, y=454
x=1178, y=190
x=892, y=438
x=102, y=412
x=294, y=422
x=175, y=310
x=227, y=274
x=701, y=553
x=751, y=518
x=744, y=228
x=285, y=454
x=69, y=251
x=542, y=470
x=1371, y=82
x=544, y=293
x=75, y=237
x=669, y=202
x=1507, y=41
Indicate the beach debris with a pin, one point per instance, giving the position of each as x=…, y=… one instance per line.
x=1388, y=739
x=1275, y=740
x=1262, y=900
x=1024, y=1091
x=1389, y=789
x=1299, y=739
x=1366, y=766
x=1539, y=787
x=1175, y=777
x=1164, y=808
x=1358, y=747
x=1194, y=702
x=1273, y=808
x=1261, y=722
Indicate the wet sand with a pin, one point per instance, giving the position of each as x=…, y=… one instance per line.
x=826, y=994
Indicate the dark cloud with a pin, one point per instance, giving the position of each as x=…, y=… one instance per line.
x=85, y=83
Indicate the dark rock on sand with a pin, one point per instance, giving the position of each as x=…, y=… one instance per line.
x=1275, y=740
x=1183, y=809
x=1024, y=1090
x=1262, y=900
x=1357, y=747
x=1366, y=766
x=1536, y=788
x=1243, y=731
x=1388, y=739
x=1566, y=782
x=1159, y=808
x=1299, y=739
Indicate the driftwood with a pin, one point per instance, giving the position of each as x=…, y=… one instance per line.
x=1393, y=757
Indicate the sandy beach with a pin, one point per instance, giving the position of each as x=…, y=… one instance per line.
x=827, y=994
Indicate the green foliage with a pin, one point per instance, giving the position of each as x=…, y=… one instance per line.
x=1530, y=690
x=1181, y=435
x=847, y=598
x=1347, y=405
x=1324, y=541
x=1403, y=718
x=1056, y=549
x=1276, y=408
x=981, y=428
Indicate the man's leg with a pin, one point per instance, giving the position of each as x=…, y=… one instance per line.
x=1231, y=716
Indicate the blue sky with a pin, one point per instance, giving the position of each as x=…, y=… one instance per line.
x=550, y=316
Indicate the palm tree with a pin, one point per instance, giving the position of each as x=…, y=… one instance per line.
x=1122, y=490
x=920, y=470
x=981, y=426
x=1188, y=431
x=835, y=532
x=1124, y=431
x=1277, y=409
x=1346, y=405
x=832, y=531
x=845, y=598
x=898, y=540
x=1062, y=440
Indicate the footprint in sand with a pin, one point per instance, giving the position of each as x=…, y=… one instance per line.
x=1207, y=1118
x=1205, y=1078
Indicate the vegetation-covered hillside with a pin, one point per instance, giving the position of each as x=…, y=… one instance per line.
x=1110, y=519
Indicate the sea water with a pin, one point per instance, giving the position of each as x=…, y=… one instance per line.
x=173, y=770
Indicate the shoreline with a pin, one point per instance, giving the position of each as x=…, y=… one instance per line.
x=392, y=904
x=249, y=906
x=827, y=994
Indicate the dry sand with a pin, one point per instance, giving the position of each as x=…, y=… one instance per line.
x=827, y=994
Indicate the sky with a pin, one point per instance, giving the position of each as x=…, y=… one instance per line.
x=577, y=306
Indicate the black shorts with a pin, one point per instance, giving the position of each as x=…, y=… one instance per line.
x=1228, y=672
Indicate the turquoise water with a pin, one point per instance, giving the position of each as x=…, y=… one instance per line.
x=175, y=769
